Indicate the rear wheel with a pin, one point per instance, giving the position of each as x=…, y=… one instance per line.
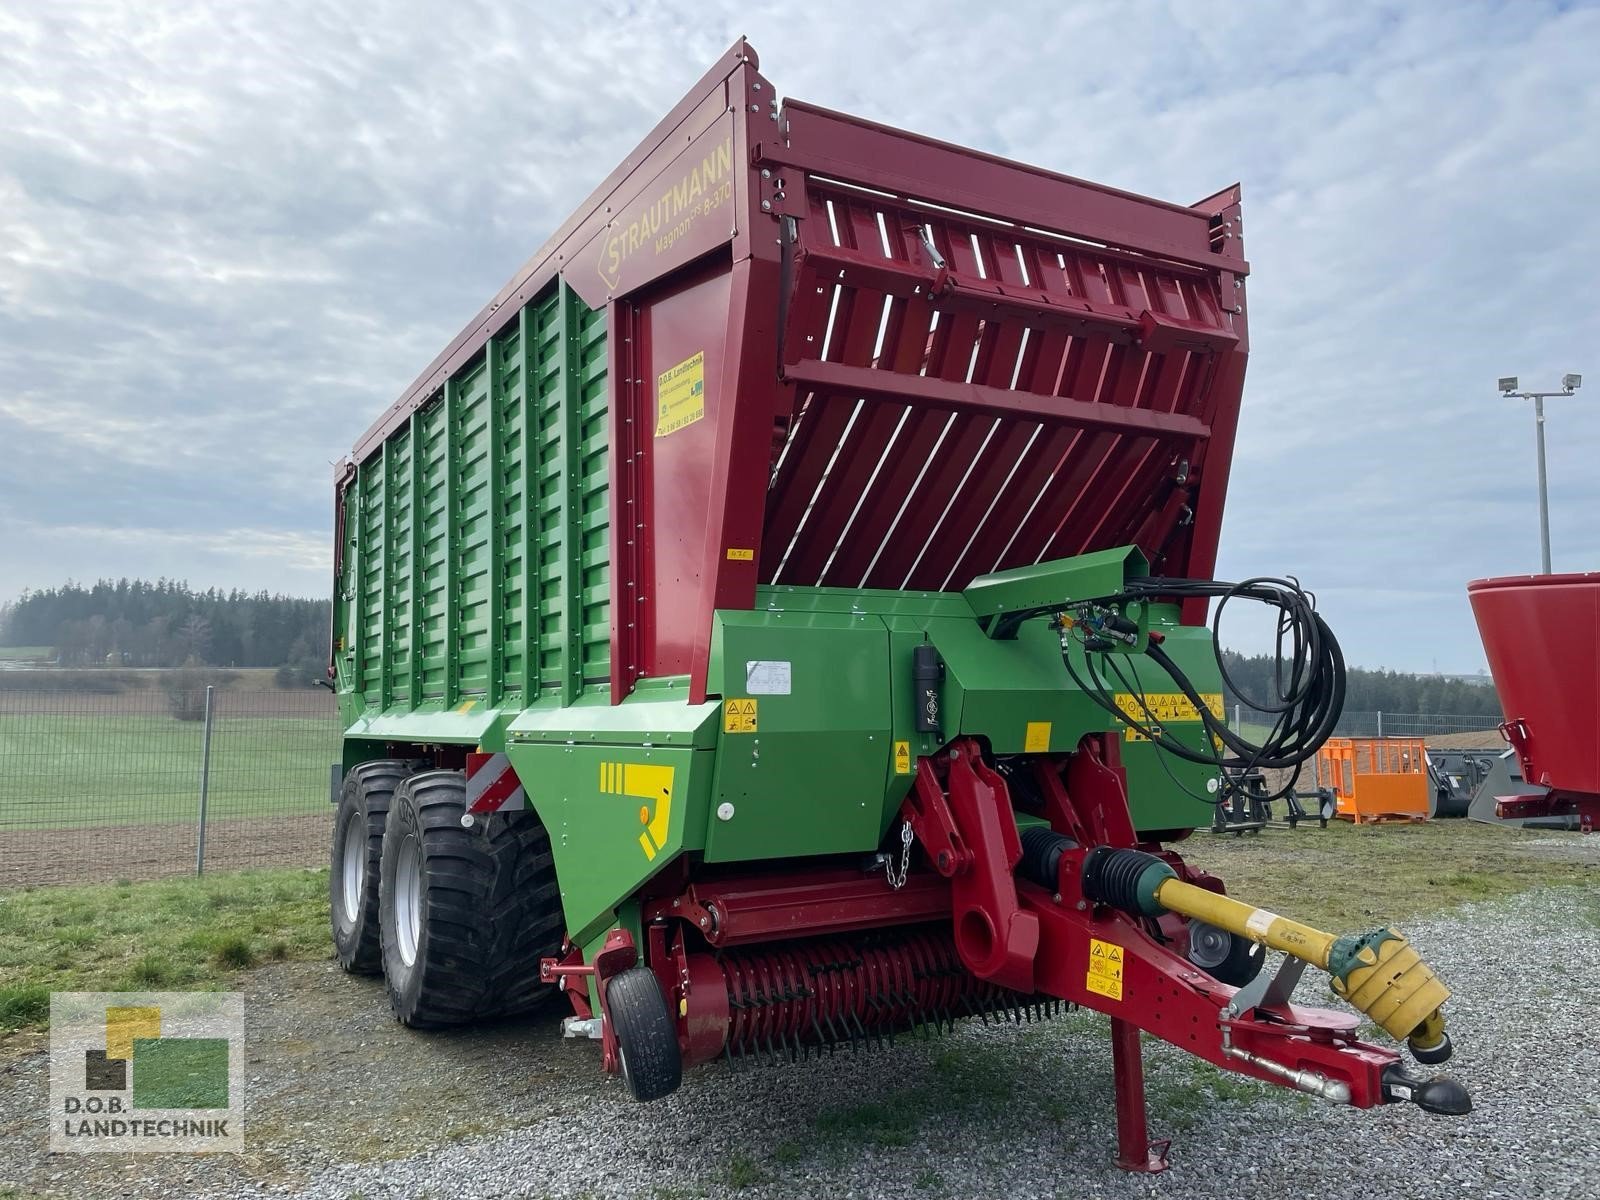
x=647, y=1036
x=358, y=827
x=466, y=914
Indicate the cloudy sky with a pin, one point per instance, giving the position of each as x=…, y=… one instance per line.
x=230, y=234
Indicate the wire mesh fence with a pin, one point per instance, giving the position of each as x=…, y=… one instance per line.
x=1423, y=725
x=106, y=784
x=1468, y=726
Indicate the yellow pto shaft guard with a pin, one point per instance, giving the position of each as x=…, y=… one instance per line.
x=1378, y=973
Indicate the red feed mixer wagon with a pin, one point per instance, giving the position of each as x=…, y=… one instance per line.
x=777, y=624
x=1541, y=634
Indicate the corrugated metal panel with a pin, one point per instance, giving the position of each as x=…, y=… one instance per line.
x=477, y=533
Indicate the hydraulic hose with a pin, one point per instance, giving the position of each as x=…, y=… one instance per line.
x=1309, y=675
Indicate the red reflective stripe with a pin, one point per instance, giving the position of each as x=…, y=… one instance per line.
x=497, y=792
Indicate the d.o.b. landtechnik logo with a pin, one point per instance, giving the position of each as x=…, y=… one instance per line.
x=146, y=1071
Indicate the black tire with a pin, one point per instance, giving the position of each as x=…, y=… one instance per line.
x=647, y=1036
x=1224, y=956
x=363, y=803
x=487, y=909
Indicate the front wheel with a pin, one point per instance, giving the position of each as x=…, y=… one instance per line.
x=466, y=914
x=647, y=1036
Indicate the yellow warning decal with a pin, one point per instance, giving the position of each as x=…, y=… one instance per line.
x=1037, y=739
x=1159, y=708
x=902, y=758
x=1105, y=969
x=738, y=716
x=736, y=555
x=681, y=395
x=1166, y=706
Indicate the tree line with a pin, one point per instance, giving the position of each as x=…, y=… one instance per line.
x=1372, y=691
x=137, y=623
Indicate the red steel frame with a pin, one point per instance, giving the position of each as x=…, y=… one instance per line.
x=923, y=363
x=1008, y=931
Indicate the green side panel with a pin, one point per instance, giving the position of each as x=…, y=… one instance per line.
x=998, y=689
x=474, y=574
x=1086, y=577
x=806, y=773
x=623, y=791
x=1166, y=792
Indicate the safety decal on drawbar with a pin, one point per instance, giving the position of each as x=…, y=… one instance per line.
x=681, y=395
x=1105, y=969
x=738, y=716
x=767, y=677
x=902, y=758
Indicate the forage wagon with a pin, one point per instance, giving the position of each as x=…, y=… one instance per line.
x=778, y=622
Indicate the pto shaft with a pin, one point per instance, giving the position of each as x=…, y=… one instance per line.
x=1379, y=972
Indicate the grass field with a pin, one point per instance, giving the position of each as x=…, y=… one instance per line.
x=198, y=933
x=71, y=770
x=189, y=934
x=26, y=653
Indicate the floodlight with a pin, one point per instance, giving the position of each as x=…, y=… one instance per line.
x=1508, y=383
x=1572, y=382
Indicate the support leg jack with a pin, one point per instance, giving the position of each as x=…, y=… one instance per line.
x=1135, y=1150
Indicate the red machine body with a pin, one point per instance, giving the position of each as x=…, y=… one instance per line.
x=1541, y=634
x=921, y=363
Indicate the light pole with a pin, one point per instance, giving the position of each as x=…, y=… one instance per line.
x=1508, y=387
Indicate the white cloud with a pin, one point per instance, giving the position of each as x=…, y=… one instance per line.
x=230, y=234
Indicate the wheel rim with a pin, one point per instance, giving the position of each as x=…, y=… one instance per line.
x=1208, y=945
x=408, y=900
x=354, y=866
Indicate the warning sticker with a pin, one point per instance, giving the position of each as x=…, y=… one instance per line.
x=902, y=758
x=681, y=395
x=1165, y=707
x=1037, y=739
x=735, y=554
x=1105, y=969
x=738, y=716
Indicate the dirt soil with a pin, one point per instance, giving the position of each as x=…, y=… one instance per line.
x=101, y=853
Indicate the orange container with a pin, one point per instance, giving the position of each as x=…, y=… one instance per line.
x=1376, y=779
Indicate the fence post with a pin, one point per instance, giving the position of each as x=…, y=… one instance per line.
x=205, y=784
x=1380, y=722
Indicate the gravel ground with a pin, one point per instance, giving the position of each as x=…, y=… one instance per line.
x=337, y=1088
